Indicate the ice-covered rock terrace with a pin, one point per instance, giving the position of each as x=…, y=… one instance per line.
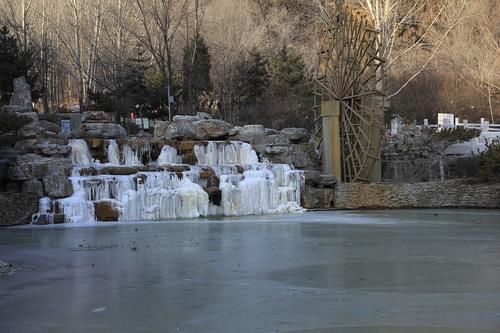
x=227, y=179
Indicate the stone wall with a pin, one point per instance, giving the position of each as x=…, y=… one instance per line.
x=453, y=193
x=17, y=208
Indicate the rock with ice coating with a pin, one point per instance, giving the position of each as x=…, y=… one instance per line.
x=113, y=153
x=169, y=155
x=232, y=182
x=217, y=153
x=80, y=153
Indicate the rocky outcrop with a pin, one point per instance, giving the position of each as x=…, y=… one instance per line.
x=200, y=127
x=44, y=147
x=103, y=131
x=29, y=166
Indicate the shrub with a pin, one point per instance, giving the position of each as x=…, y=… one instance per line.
x=457, y=134
x=488, y=164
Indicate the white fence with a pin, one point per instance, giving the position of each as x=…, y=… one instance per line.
x=484, y=125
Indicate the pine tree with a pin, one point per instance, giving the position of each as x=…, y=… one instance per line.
x=13, y=63
x=286, y=70
x=196, y=67
x=132, y=90
x=253, y=78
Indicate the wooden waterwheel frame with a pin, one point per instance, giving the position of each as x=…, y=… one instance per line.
x=350, y=71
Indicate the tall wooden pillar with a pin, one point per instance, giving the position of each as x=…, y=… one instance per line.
x=330, y=114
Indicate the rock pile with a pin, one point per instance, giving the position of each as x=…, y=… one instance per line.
x=289, y=146
x=99, y=124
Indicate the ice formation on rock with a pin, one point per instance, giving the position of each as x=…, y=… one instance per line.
x=218, y=153
x=113, y=153
x=169, y=155
x=130, y=157
x=80, y=153
x=228, y=180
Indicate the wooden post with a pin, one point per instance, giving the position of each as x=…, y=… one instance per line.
x=330, y=114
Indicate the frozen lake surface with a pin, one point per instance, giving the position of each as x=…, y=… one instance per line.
x=349, y=272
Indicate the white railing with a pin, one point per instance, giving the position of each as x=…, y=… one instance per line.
x=484, y=125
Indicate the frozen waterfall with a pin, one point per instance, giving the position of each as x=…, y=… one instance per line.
x=80, y=153
x=218, y=153
x=227, y=180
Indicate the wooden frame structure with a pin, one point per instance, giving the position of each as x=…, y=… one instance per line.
x=351, y=72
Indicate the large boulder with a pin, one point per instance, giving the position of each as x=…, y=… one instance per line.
x=253, y=134
x=180, y=129
x=106, y=211
x=57, y=185
x=103, y=130
x=296, y=135
x=212, y=129
x=97, y=117
x=21, y=95
x=302, y=156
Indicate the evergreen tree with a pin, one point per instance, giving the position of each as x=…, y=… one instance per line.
x=196, y=70
x=131, y=91
x=289, y=96
x=286, y=70
x=253, y=78
x=13, y=64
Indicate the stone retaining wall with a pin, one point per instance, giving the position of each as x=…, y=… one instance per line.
x=453, y=193
x=17, y=208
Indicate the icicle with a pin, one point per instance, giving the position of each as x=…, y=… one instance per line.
x=130, y=156
x=113, y=153
x=219, y=153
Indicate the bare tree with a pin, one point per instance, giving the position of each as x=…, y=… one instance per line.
x=394, y=17
x=161, y=20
